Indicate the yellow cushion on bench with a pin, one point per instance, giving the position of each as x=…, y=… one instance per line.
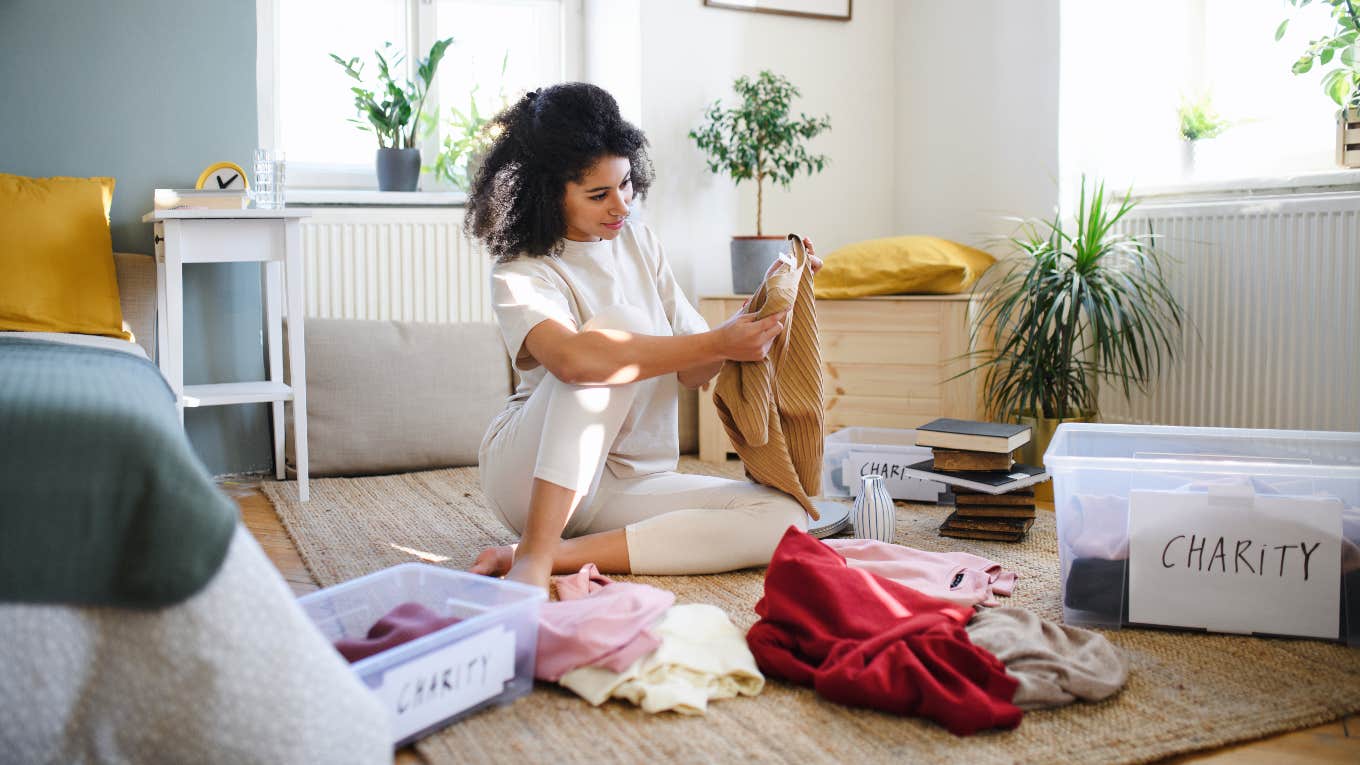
x=900, y=265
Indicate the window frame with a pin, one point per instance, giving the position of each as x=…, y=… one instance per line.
x=420, y=26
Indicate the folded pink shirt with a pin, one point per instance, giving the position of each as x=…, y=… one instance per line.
x=597, y=622
x=958, y=577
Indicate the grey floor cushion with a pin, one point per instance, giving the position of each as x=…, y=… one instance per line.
x=390, y=396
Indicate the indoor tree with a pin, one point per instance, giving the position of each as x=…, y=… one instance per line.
x=760, y=139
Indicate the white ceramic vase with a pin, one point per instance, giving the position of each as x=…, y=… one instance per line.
x=874, y=516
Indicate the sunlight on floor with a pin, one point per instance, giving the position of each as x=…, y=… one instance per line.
x=428, y=557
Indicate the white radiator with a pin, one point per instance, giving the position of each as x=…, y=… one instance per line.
x=1271, y=286
x=391, y=263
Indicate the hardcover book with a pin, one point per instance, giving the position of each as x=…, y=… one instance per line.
x=992, y=536
x=955, y=459
x=968, y=435
x=1015, y=498
x=955, y=521
x=999, y=511
x=986, y=481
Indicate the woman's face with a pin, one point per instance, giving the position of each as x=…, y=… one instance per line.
x=596, y=206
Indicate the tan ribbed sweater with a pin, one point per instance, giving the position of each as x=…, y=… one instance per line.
x=772, y=409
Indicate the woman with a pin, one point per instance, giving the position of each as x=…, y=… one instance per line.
x=581, y=463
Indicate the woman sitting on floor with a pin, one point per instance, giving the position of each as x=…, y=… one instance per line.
x=581, y=464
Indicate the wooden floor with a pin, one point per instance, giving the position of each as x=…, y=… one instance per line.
x=1337, y=742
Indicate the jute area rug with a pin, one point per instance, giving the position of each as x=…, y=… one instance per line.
x=1186, y=691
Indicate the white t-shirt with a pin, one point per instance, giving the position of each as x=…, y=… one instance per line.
x=585, y=279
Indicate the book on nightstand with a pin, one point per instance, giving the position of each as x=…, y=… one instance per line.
x=201, y=199
x=969, y=435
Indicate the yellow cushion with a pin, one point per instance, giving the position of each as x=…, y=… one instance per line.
x=900, y=264
x=56, y=256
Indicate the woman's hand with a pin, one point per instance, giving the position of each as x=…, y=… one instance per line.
x=746, y=338
x=814, y=262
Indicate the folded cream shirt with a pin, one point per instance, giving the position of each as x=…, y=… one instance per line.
x=702, y=657
x=571, y=288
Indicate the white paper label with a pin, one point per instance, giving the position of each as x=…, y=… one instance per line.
x=445, y=682
x=1235, y=563
x=890, y=467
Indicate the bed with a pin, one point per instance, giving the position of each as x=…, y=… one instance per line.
x=142, y=622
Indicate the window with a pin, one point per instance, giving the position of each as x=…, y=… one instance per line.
x=1126, y=67
x=305, y=100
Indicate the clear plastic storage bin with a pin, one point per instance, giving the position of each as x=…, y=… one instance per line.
x=1226, y=530
x=427, y=683
x=850, y=452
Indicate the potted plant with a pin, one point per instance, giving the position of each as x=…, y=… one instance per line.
x=759, y=139
x=467, y=139
x=393, y=111
x=1071, y=305
x=1340, y=50
x=1199, y=122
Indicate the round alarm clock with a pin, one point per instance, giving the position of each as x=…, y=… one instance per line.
x=223, y=176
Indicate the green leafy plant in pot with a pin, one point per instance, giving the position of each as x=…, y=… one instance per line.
x=1199, y=122
x=759, y=140
x=1072, y=304
x=467, y=138
x=1340, y=50
x=392, y=111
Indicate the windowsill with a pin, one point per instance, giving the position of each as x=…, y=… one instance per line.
x=373, y=198
x=1299, y=183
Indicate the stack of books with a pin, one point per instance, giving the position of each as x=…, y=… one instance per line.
x=200, y=199
x=993, y=496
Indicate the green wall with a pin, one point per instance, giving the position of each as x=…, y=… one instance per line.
x=149, y=92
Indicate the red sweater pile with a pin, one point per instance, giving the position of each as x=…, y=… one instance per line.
x=862, y=640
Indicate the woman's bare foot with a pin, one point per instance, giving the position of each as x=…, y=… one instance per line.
x=531, y=570
x=494, y=561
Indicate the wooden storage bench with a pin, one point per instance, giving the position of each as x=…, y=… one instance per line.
x=885, y=363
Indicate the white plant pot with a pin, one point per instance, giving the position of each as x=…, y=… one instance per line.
x=1187, y=158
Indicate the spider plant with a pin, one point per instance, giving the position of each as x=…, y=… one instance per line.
x=1073, y=305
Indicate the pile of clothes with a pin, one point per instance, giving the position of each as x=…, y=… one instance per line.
x=891, y=628
x=864, y=623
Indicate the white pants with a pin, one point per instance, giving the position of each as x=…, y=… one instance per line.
x=674, y=523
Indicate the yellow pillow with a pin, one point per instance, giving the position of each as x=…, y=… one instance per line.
x=900, y=264
x=56, y=256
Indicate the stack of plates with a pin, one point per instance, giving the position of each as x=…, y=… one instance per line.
x=835, y=518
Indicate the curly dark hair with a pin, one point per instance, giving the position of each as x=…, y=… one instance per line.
x=547, y=138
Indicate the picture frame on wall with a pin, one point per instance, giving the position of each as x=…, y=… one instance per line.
x=837, y=10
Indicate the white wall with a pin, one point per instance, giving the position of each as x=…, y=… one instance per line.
x=944, y=120
x=977, y=115
x=690, y=56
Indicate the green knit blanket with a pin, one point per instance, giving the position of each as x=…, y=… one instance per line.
x=102, y=499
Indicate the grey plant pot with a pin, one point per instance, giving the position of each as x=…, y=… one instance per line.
x=751, y=258
x=398, y=169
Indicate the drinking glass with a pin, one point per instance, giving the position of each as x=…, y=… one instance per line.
x=268, y=184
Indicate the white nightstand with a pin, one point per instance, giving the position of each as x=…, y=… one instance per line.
x=272, y=238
